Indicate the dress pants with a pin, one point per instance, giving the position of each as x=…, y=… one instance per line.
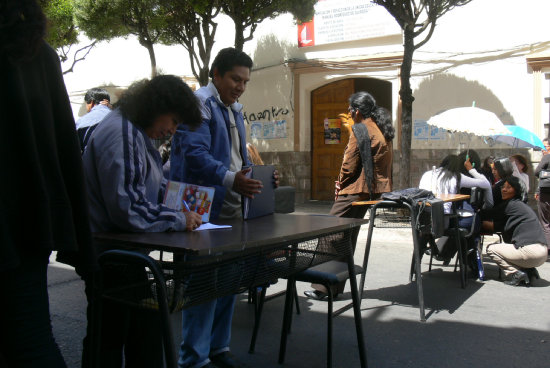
x=510, y=259
x=26, y=338
x=206, y=331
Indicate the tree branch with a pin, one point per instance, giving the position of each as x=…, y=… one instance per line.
x=76, y=59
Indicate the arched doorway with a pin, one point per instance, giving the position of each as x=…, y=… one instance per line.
x=329, y=136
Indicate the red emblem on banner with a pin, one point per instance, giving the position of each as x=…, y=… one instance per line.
x=306, y=35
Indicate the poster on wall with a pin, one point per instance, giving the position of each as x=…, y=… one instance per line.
x=340, y=21
x=268, y=129
x=423, y=131
x=332, y=130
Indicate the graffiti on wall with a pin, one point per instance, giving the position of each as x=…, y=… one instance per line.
x=266, y=114
x=423, y=131
x=271, y=128
x=268, y=129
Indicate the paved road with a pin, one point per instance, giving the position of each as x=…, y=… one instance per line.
x=487, y=324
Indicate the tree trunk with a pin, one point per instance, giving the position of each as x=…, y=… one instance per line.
x=203, y=75
x=145, y=42
x=239, y=35
x=406, y=111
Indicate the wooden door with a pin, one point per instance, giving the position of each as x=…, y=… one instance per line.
x=326, y=103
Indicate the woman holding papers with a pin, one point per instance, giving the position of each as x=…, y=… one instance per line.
x=360, y=180
x=125, y=189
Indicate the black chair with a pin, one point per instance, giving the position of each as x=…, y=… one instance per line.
x=464, y=235
x=150, y=293
x=327, y=274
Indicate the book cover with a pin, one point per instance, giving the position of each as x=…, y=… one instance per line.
x=263, y=203
x=198, y=198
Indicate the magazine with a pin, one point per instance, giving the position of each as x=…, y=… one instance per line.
x=184, y=197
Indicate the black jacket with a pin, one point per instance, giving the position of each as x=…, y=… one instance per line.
x=42, y=196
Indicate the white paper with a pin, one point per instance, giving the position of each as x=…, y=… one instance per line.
x=209, y=226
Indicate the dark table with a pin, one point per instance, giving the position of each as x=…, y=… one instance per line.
x=248, y=254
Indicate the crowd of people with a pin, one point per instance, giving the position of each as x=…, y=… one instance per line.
x=104, y=174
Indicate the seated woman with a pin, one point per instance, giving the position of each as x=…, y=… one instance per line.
x=448, y=179
x=524, y=246
x=125, y=188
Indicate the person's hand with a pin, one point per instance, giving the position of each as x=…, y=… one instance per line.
x=245, y=186
x=336, y=189
x=537, y=196
x=106, y=103
x=468, y=165
x=275, y=178
x=192, y=220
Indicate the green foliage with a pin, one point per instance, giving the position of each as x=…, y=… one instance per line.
x=62, y=30
x=108, y=19
x=247, y=14
x=190, y=23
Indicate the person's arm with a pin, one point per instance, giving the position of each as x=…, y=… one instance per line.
x=193, y=148
x=122, y=171
x=351, y=164
x=480, y=181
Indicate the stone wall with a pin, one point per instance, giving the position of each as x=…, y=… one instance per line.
x=294, y=170
x=295, y=167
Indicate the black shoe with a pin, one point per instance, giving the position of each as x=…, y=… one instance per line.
x=517, y=278
x=316, y=294
x=226, y=360
x=532, y=273
x=440, y=258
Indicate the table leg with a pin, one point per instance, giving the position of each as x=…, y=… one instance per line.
x=356, y=307
x=460, y=255
x=290, y=285
x=417, y=265
x=372, y=217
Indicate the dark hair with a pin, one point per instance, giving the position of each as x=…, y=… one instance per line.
x=382, y=118
x=145, y=100
x=474, y=159
x=450, y=166
x=365, y=103
x=486, y=163
x=22, y=28
x=96, y=95
x=516, y=184
x=522, y=160
x=503, y=167
x=227, y=59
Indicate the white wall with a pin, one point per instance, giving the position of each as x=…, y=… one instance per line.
x=462, y=39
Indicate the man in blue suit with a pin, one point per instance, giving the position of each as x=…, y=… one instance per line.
x=214, y=155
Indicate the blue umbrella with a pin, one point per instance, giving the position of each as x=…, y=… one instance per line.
x=519, y=138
